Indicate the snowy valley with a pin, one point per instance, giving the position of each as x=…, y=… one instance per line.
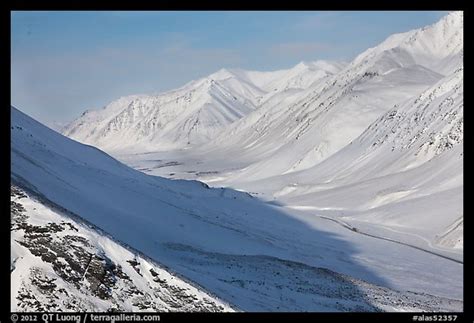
x=329, y=186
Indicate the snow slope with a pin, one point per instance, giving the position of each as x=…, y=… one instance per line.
x=438, y=47
x=404, y=172
x=225, y=240
x=60, y=263
x=298, y=131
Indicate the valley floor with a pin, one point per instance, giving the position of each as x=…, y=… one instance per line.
x=61, y=263
x=395, y=258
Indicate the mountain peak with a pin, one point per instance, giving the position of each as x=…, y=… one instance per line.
x=221, y=74
x=427, y=46
x=303, y=64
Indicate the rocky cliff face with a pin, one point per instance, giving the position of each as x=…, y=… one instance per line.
x=59, y=264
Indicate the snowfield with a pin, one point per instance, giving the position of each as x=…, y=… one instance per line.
x=325, y=187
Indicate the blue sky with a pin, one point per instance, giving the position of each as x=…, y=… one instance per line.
x=66, y=62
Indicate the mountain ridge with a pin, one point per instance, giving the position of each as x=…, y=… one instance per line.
x=199, y=109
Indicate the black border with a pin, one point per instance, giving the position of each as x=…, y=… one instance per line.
x=402, y=5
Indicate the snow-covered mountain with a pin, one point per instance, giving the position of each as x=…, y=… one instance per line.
x=438, y=47
x=294, y=101
x=188, y=115
x=225, y=241
x=405, y=171
x=382, y=143
x=297, y=132
x=192, y=114
x=376, y=142
x=354, y=173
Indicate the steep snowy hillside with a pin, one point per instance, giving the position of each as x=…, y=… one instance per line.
x=438, y=47
x=289, y=135
x=228, y=242
x=404, y=172
x=192, y=114
x=60, y=263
